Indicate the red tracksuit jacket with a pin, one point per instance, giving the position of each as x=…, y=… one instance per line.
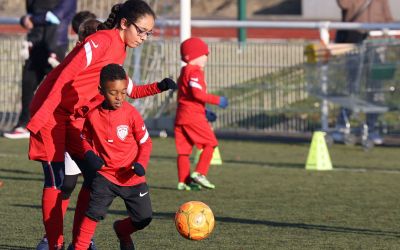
x=120, y=138
x=74, y=83
x=192, y=96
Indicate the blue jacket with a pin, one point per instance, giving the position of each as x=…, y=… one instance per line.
x=43, y=31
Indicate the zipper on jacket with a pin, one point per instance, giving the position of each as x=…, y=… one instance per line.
x=109, y=128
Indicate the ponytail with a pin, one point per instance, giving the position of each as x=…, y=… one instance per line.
x=112, y=19
x=131, y=10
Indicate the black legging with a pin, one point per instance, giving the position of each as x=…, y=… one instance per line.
x=70, y=181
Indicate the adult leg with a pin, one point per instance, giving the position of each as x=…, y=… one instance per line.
x=35, y=68
x=29, y=83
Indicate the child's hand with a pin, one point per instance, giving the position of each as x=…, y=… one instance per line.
x=211, y=116
x=166, y=84
x=94, y=161
x=138, y=169
x=223, y=102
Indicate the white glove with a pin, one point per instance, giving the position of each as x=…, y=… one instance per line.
x=24, y=52
x=51, y=18
x=52, y=60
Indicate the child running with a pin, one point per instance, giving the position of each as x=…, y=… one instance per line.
x=191, y=126
x=117, y=146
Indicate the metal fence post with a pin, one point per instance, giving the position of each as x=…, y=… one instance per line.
x=324, y=37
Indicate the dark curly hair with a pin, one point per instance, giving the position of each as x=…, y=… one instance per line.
x=131, y=10
x=111, y=72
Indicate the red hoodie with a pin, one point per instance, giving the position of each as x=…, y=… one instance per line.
x=73, y=84
x=192, y=96
x=120, y=138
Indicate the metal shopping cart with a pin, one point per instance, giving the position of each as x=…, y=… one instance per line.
x=354, y=80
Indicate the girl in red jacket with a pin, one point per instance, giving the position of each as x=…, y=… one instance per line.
x=191, y=126
x=68, y=93
x=117, y=146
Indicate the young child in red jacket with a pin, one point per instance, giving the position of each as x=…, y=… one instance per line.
x=117, y=146
x=191, y=125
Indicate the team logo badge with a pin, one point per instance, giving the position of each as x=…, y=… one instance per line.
x=122, y=132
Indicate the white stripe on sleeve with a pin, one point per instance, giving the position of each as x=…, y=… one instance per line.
x=130, y=87
x=88, y=50
x=145, y=137
x=195, y=85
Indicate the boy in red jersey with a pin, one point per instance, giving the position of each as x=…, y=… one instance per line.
x=191, y=126
x=117, y=146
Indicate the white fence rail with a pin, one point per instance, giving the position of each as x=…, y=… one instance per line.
x=264, y=80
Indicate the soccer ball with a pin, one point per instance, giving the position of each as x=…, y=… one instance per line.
x=194, y=220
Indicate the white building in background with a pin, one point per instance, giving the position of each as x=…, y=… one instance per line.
x=313, y=9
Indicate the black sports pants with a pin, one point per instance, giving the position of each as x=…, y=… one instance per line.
x=136, y=199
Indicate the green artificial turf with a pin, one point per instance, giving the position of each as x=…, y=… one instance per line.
x=264, y=199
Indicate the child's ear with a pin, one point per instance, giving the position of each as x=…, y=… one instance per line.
x=101, y=90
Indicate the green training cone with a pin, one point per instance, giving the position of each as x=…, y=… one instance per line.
x=216, y=159
x=318, y=155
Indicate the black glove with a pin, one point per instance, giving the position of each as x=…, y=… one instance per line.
x=166, y=84
x=138, y=169
x=94, y=161
x=211, y=116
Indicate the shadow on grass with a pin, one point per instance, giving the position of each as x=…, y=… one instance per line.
x=363, y=169
x=163, y=188
x=292, y=165
x=257, y=163
x=10, y=247
x=20, y=179
x=161, y=215
x=323, y=228
x=15, y=171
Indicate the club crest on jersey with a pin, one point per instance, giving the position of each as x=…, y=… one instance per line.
x=122, y=132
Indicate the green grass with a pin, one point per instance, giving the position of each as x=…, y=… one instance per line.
x=264, y=199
